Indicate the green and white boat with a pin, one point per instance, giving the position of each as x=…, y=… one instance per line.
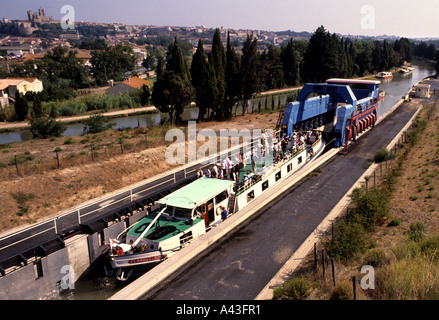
x=184, y=215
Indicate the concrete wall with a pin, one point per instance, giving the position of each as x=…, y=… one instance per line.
x=61, y=269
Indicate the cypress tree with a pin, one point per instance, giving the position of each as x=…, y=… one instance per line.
x=203, y=81
x=217, y=59
x=290, y=65
x=21, y=106
x=249, y=71
x=437, y=62
x=232, y=79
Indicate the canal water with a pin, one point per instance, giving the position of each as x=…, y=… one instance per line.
x=101, y=286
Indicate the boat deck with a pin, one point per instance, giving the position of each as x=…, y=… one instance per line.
x=167, y=227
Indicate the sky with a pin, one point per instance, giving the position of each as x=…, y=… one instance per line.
x=412, y=19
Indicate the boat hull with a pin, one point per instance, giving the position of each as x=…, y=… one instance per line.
x=137, y=259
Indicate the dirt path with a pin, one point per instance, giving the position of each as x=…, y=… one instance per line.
x=25, y=124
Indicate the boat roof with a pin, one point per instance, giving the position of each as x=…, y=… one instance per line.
x=338, y=80
x=196, y=193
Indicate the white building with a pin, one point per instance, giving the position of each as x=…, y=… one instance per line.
x=10, y=86
x=422, y=90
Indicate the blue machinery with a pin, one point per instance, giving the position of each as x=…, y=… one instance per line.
x=344, y=107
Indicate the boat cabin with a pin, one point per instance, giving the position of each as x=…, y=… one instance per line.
x=200, y=198
x=181, y=214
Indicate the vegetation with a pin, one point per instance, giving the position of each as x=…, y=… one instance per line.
x=96, y=124
x=173, y=90
x=403, y=249
x=21, y=107
x=45, y=128
x=293, y=289
x=112, y=63
x=225, y=77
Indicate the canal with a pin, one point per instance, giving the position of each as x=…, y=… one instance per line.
x=100, y=286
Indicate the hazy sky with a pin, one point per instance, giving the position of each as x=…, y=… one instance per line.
x=415, y=18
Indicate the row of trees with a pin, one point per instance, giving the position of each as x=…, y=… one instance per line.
x=225, y=77
x=220, y=80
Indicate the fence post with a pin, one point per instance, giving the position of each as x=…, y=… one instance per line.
x=315, y=255
x=354, y=287
x=323, y=262
x=333, y=272
x=57, y=158
x=16, y=164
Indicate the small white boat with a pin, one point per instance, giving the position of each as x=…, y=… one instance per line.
x=384, y=75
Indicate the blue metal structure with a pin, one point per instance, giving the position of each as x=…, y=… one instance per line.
x=349, y=105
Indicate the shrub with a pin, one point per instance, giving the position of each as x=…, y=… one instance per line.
x=44, y=128
x=416, y=232
x=293, y=289
x=395, y=222
x=430, y=247
x=381, y=155
x=349, y=239
x=69, y=140
x=371, y=206
x=375, y=257
x=343, y=291
x=96, y=124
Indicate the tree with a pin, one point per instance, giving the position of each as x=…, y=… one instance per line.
x=217, y=59
x=173, y=89
x=145, y=94
x=203, y=81
x=112, y=63
x=36, y=103
x=97, y=123
x=45, y=128
x=59, y=70
x=314, y=59
x=404, y=48
x=290, y=65
x=249, y=71
x=377, y=57
x=437, y=62
x=21, y=106
x=233, y=81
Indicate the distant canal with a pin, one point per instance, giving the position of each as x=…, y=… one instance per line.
x=394, y=89
x=102, y=287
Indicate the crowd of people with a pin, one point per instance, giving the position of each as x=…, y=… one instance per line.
x=279, y=146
